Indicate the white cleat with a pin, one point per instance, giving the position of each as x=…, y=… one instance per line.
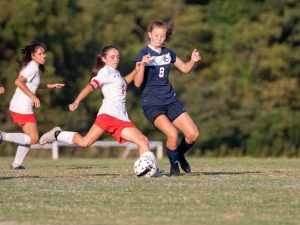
x=49, y=137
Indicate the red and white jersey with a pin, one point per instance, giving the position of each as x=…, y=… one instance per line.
x=113, y=87
x=20, y=102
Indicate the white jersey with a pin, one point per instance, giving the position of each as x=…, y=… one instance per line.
x=113, y=87
x=20, y=102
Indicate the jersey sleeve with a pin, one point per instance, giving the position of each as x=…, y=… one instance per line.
x=173, y=56
x=100, y=79
x=140, y=56
x=29, y=72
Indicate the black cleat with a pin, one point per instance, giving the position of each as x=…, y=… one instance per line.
x=184, y=164
x=175, y=172
x=18, y=167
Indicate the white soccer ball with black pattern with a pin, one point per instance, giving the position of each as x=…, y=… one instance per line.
x=144, y=167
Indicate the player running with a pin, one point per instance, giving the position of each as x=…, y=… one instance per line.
x=112, y=116
x=158, y=98
x=24, y=99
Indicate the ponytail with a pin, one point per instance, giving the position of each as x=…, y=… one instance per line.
x=99, y=62
x=28, y=50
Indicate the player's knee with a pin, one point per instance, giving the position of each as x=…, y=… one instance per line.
x=173, y=136
x=85, y=143
x=193, y=137
x=34, y=140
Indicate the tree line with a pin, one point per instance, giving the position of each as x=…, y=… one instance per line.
x=243, y=95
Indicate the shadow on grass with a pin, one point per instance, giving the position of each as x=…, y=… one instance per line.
x=21, y=177
x=223, y=173
x=106, y=174
x=81, y=167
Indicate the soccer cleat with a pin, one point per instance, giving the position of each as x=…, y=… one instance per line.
x=159, y=173
x=49, y=137
x=18, y=167
x=184, y=164
x=1, y=136
x=175, y=172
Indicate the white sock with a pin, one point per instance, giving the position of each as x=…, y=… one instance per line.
x=18, y=138
x=151, y=155
x=66, y=136
x=20, y=155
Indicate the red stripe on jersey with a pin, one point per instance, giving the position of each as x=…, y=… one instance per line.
x=94, y=83
x=92, y=86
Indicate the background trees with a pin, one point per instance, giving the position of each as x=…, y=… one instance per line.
x=244, y=95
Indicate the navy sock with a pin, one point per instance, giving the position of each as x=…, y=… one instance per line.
x=173, y=158
x=183, y=147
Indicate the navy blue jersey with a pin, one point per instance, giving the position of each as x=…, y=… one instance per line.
x=156, y=88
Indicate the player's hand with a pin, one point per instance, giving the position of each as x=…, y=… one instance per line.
x=36, y=101
x=56, y=85
x=195, y=57
x=2, y=90
x=146, y=59
x=73, y=106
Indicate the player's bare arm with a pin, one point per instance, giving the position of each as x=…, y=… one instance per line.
x=85, y=91
x=50, y=86
x=187, y=67
x=20, y=82
x=139, y=77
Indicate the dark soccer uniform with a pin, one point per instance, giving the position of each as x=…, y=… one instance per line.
x=157, y=94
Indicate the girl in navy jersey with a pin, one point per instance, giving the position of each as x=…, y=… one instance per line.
x=158, y=98
x=112, y=116
x=24, y=99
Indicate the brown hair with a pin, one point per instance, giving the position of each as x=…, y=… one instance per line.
x=99, y=62
x=28, y=50
x=160, y=23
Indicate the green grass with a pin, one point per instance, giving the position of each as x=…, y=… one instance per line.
x=105, y=191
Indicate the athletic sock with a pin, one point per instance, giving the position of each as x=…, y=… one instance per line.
x=18, y=138
x=66, y=136
x=173, y=158
x=183, y=147
x=21, y=153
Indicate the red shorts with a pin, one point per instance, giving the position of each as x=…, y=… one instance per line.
x=112, y=125
x=21, y=119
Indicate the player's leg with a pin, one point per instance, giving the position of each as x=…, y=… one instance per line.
x=186, y=125
x=134, y=135
x=71, y=137
x=93, y=135
x=30, y=129
x=163, y=123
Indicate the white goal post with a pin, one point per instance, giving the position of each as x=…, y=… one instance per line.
x=54, y=146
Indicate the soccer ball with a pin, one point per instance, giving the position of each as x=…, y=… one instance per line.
x=144, y=166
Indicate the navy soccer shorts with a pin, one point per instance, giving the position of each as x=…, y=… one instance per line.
x=172, y=111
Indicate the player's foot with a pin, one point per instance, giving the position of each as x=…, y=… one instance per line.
x=184, y=164
x=20, y=167
x=49, y=137
x=159, y=173
x=175, y=172
x=1, y=136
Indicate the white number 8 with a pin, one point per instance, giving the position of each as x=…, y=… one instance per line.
x=161, y=72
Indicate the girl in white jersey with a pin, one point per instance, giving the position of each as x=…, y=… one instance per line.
x=112, y=116
x=24, y=99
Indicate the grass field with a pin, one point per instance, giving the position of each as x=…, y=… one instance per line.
x=105, y=191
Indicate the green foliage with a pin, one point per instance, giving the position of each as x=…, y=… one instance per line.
x=244, y=94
